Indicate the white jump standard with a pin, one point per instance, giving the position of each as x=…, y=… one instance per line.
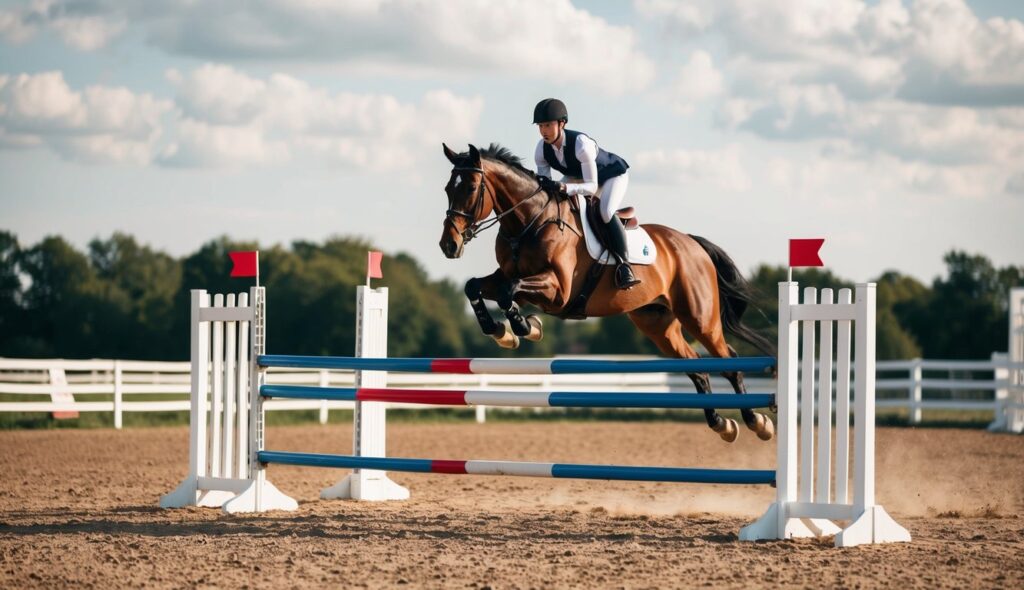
x=228, y=390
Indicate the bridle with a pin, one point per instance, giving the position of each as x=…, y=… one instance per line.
x=477, y=226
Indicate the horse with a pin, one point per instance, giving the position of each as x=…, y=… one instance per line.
x=543, y=261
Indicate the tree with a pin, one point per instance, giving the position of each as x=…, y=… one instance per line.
x=963, y=316
x=12, y=324
x=64, y=311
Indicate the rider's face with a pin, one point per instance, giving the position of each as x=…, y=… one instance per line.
x=550, y=130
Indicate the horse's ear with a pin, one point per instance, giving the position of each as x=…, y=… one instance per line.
x=474, y=155
x=452, y=156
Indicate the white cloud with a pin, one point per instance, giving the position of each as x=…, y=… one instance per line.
x=929, y=84
x=98, y=124
x=1015, y=184
x=698, y=80
x=74, y=22
x=935, y=51
x=842, y=177
x=202, y=144
x=89, y=33
x=223, y=117
x=718, y=168
x=236, y=119
x=547, y=39
x=14, y=28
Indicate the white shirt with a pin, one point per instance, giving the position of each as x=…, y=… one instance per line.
x=586, y=153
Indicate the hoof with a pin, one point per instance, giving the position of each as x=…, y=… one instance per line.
x=763, y=427
x=536, y=328
x=505, y=338
x=727, y=429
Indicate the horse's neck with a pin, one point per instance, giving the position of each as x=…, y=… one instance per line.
x=509, y=194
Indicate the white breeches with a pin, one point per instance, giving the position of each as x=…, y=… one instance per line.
x=613, y=191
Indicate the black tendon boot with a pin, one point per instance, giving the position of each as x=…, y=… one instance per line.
x=624, y=278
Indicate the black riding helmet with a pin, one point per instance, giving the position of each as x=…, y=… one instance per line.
x=550, y=109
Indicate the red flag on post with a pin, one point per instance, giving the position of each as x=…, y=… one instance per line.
x=804, y=252
x=373, y=269
x=245, y=264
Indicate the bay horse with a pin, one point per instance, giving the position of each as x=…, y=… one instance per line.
x=543, y=261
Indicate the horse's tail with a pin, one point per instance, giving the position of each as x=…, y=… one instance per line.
x=735, y=295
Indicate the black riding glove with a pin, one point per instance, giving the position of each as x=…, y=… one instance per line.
x=550, y=186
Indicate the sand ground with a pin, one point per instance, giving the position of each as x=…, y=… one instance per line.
x=78, y=507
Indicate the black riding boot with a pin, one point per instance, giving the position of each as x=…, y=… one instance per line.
x=624, y=278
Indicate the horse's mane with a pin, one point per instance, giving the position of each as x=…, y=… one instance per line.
x=500, y=153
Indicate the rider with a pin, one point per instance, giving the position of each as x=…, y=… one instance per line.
x=577, y=156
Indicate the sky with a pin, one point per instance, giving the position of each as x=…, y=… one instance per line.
x=893, y=129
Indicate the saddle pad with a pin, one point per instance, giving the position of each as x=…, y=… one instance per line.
x=639, y=245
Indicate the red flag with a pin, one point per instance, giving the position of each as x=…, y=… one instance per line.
x=805, y=252
x=373, y=260
x=246, y=264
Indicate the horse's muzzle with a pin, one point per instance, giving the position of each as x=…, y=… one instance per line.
x=451, y=247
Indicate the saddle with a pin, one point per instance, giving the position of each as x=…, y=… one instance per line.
x=576, y=310
x=627, y=215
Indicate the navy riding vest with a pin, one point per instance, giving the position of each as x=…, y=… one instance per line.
x=608, y=164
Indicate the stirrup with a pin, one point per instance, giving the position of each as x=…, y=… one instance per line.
x=624, y=277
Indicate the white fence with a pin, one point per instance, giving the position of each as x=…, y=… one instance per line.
x=59, y=386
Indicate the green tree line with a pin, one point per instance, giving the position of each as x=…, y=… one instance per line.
x=122, y=299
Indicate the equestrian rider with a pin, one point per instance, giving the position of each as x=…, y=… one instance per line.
x=577, y=156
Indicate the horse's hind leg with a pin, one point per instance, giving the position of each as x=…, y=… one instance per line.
x=759, y=423
x=714, y=341
x=662, y=328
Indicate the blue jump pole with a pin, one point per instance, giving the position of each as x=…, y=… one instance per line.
x=515, y=468
x=537, y=366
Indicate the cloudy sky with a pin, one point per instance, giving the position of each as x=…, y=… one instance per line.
x=894, y=129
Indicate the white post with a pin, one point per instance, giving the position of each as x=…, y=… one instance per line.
x=807, y=404
x=324, y=381
x=369, y=418
x=871, y=523
x=237, y=483
x=259, y=495
x=915, y=392
x=243, y=369
x=798, y=512
x=1001, y=395
x=118, y=396
x=776, y=523
x=190, y=493
x=842, y=462
x=1015, y=412
x=481, y=411
x=824, y=469
x=1009, y=401
x=217, y=393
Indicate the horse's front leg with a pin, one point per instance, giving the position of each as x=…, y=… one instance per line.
x=492, y=287
x=543, y=290
x=489, y=287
